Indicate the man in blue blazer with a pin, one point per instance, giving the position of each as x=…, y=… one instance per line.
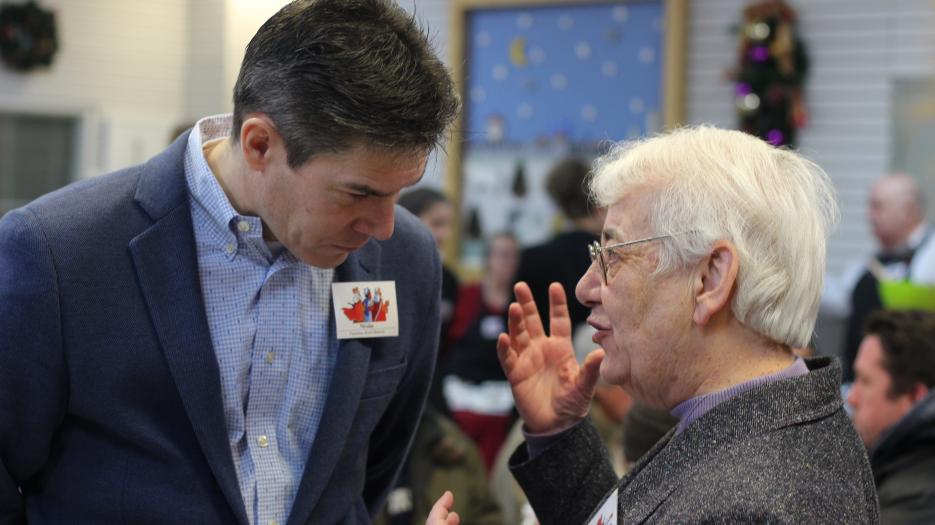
x=168, y=341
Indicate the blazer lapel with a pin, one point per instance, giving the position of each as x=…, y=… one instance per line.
x=656, y=476
x=167, y=269
x=347, y=384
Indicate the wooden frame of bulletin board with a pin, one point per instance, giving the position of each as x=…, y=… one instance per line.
x=540, y=79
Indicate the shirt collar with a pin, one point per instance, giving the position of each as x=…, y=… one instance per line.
x=918, y=235
x=690, y=410
x=202, y=184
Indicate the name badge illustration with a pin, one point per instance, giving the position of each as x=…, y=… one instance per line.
x=607, y=514
x=365, y=309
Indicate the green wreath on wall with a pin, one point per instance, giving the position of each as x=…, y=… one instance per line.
x=27, y=36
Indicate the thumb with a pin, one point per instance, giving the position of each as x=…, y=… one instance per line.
x=590, y=372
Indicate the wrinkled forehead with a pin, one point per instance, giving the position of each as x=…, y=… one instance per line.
x=378, y=171
x=630, y=217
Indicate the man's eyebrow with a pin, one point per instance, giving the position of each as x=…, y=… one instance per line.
x=366, y=190
x=371, y=191
x=610, y=234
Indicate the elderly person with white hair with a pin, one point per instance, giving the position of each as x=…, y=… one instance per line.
x=708, y=274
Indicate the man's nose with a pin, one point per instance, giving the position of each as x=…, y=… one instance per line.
x=852, y=397
x=378, y=222
x=588, y=290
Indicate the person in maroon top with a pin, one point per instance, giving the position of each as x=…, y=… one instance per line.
x=475, y=389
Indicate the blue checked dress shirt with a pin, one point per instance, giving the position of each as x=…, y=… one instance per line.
x=268, y=314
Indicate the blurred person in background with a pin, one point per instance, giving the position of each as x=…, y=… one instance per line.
x=560, y=259
x=475, y=389
x=906, y=251
x=893, y=400
x=442, y=458
x=437, y=214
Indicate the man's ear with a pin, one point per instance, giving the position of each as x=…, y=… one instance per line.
x=714, y=282
x=918, y=392
x=258, y=136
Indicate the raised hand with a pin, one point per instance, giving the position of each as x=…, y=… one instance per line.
x=551, y=390
x=441, y=513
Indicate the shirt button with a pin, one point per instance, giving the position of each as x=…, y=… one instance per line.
x=243, y=226
x=263, y=441
x=273, y=522
x=230, y=248
x=269, y=357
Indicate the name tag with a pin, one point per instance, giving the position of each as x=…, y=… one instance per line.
x=607, y=513
x=365, y=309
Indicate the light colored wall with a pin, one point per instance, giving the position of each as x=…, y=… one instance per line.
x=434, y=16
x=858, y=49
x=133, y=70
x=120, y=67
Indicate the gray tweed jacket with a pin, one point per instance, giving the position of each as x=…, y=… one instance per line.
x=781, y=453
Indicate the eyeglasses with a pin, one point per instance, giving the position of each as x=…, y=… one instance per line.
x=596, y=251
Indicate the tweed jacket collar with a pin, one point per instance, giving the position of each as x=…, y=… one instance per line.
x=755, y=412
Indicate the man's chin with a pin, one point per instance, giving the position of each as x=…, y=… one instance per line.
x=319, y=260
x=611, y=375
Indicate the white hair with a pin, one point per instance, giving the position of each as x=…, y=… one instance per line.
x=775, y=206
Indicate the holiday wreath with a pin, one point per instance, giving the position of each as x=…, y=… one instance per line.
x=27, y=36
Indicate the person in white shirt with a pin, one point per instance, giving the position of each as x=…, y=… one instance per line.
x=906, y=252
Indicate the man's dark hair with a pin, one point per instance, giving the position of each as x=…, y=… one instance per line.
x=908, y=340
x=330, y=73
x=419, y=200
x=566, y=185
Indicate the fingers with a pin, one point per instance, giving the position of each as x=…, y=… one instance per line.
x=504, y=353
x=559, y=320
x=590, y=372
x=441, y=511
x=530, y=312
x=516, y=322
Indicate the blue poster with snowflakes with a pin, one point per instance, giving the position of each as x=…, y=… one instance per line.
x=579, y=74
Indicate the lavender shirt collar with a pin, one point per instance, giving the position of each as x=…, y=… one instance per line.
x=690, y=410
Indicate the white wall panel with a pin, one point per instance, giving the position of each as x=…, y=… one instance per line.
x=120, y=68
x=433, y=16
x=857, y=48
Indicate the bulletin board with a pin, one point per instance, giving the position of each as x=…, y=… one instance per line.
x=544, y=79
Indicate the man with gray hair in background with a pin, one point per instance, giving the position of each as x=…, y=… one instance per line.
x=707, y=275
x=906, y=251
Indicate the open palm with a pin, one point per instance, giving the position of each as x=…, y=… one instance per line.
x=551, y=390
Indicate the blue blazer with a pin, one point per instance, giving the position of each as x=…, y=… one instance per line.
x=110, y=397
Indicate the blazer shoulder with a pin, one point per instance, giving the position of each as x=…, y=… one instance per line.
x=88, y=197
x=805, y=471
x=110, y=200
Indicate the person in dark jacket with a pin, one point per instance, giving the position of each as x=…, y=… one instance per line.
x=707, y=278
x=437, y=214
x=564, y=257
x=894, y=412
